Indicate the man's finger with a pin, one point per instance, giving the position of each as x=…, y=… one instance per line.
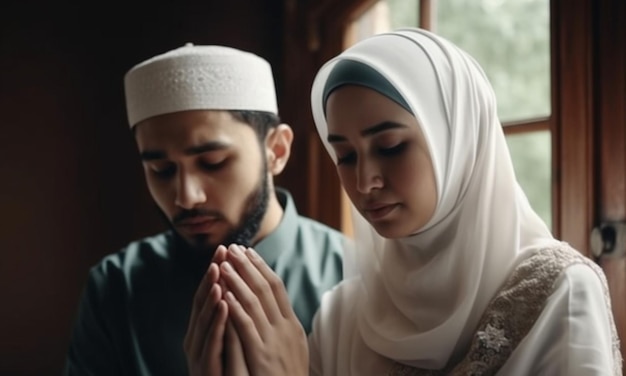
x=255, y=282
x=199, y=300
x=207, y=314
x=246, y=329
x=220, y=255
x=275, y=283
x=213, y=345
x=233, y=348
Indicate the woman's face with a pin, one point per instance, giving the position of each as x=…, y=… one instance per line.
x=382, y=160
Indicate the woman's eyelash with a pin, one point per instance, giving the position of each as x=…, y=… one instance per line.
x=348, y=158
x=385, y=152
x=164, y=172
x=392, y=150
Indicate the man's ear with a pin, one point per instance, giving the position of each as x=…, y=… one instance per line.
x=278, y=147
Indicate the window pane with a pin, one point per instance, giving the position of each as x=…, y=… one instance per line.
x=385, y=15
x=531, y=154
x=511, y=41
x=403, y=13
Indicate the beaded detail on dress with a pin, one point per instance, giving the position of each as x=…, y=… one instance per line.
x=513, y=312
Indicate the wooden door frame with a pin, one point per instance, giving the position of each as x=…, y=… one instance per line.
x=610, y=121
x=322, y=28
x=588, y=122
x=314, y=33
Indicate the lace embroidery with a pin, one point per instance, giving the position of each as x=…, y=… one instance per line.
x=513, y=312
x=492, y=338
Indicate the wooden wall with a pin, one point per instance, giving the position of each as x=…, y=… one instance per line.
x=71, y=185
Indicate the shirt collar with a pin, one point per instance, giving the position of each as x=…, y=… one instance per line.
x=284, y=236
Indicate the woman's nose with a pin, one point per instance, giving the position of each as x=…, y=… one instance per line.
x=369, y=177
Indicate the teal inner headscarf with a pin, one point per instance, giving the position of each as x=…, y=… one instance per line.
x=350, y=72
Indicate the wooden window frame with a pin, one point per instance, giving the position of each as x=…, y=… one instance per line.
x=587, y=123
x=343, y=16
x=574, y=170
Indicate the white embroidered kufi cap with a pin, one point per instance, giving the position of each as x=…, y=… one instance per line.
x=199, y=78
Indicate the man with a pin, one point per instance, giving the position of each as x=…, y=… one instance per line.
x=206, y=124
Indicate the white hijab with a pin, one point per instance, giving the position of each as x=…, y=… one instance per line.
x=423, y=295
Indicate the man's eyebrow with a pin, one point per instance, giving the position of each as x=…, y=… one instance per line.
x=151, y=155
x=380, y=127
x=207, y=146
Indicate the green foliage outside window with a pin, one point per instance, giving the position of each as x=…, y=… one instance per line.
x=511, y=41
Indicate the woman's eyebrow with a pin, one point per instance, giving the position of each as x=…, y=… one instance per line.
x=380, y=127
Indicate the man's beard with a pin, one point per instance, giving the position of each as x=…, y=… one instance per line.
x=254, y=211
x=255, y=207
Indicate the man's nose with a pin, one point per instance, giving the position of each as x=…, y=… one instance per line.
x=189, y=192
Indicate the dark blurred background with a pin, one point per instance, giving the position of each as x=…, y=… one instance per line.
x=71, y=184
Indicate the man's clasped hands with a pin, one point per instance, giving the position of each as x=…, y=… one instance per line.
x=242, y=322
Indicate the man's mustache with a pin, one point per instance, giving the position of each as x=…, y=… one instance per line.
x=186, y=214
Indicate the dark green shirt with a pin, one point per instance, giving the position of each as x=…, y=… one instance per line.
x=135, y=307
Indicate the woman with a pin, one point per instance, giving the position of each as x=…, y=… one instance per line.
x=456, y=274
x=452, y=273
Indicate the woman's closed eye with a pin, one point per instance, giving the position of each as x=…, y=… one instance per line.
x=163, y=172
x=392, y=151
x=351, y=157
x=346, y=158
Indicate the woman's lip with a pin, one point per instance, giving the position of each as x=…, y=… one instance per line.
x=379, y=211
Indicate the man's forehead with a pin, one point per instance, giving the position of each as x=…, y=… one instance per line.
x=192, y=122
x=193, y=129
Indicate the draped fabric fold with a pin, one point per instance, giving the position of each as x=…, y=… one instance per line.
x=422, y=296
